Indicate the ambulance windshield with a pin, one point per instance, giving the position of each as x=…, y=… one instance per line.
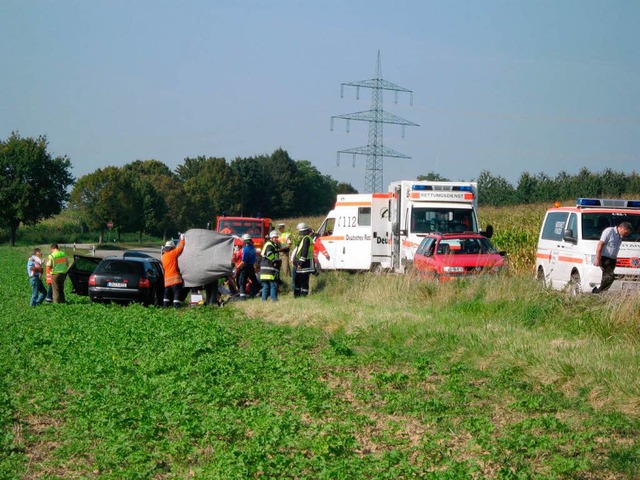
x=444, y=220
x=594, y=223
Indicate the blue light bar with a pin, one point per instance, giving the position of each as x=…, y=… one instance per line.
x=588, y=202
x=462, y=188
x=633, y=203
x=421, y=187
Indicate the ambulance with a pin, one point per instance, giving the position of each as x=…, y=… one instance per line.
x=568, y=240
x=382, y=231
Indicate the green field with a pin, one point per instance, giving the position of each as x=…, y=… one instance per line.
x=372, y=376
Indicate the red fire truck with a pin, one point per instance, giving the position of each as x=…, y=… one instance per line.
x=258, y=228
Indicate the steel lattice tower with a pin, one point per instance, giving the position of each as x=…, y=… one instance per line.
x=377, y=117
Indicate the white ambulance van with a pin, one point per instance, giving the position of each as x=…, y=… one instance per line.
x=568, y=240
x=381, y=231
x=356, y=233
x=421, y=207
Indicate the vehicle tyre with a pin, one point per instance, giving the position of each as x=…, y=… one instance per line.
x=542, y=281
x=377, y=269
x=153, y=299
x=575, y=285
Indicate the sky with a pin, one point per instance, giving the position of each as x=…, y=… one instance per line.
x=507, y=86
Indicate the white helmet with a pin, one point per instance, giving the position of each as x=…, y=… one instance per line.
x=246, y=237
x=274, y=234
x=301, y=227
x=169, y=244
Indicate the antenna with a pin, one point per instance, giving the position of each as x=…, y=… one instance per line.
x=377, y=117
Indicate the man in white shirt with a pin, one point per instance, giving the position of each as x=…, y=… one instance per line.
x=607, y=253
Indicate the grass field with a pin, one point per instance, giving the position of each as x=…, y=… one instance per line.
x=372, y=376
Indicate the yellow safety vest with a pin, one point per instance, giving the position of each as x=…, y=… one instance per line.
x=59, y=262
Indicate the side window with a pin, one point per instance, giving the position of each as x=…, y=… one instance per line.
x=364, y=216
x=572, y=224
x=327, y=227
x=426, y=246
x=554, y=225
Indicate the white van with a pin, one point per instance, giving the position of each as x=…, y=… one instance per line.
x=568, y=240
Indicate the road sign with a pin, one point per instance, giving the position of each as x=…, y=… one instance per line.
x=109, y=225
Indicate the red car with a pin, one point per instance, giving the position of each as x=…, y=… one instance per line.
x=447, y=256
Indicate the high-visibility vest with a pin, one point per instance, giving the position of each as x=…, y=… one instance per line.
x=285, y=241
x=268, y=271
x=308, y=262
x=59, y=262
x=170, y=265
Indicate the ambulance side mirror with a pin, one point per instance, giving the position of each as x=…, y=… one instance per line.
x=488, y=232
x=568, y=236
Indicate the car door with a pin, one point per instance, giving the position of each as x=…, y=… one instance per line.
x=80, y=271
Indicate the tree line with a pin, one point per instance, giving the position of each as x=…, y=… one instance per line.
x=495, y=190
x=146, y=196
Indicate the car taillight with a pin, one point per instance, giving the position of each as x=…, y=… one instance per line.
x=144, y=283
x=92, y=280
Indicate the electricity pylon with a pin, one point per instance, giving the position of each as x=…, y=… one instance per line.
x=377, y=117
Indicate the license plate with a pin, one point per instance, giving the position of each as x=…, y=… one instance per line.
x=117, y=284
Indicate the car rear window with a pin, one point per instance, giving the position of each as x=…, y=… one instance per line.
x=121, y=267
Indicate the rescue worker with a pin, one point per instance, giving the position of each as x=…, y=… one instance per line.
x=269, y=267
x=57, y=266
x=303, y=263
x=284, y=239
x=247, y=280
x=172, y=278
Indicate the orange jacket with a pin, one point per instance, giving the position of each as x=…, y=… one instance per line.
x=170, y=264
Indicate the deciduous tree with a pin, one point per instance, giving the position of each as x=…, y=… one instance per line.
x=33, y=183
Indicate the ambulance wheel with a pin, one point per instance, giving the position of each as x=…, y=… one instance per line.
x=377, y=268
x=575, y=285
x=542, y=281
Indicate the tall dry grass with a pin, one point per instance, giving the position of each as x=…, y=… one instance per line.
x=495, y=322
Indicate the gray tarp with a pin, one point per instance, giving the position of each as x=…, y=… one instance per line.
x=206, y=257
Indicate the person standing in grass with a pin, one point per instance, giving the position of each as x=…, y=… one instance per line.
x=607, y=253
x=269, y=268
x=172, y=278
x=247, y=279
x=303, y=262
x=58, y=265
x=34, y=270
x=284, y=240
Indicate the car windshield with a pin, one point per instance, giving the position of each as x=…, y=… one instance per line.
x=465, y=246
x=594, y=223
x=120, y=267
x=444, y=220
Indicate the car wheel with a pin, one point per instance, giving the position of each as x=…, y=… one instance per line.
x=542, y=281
x=155, y=298
x=575, y=285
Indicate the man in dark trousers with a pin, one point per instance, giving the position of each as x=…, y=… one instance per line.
x=248, y=282
x=303, y=262
x=607, y=253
